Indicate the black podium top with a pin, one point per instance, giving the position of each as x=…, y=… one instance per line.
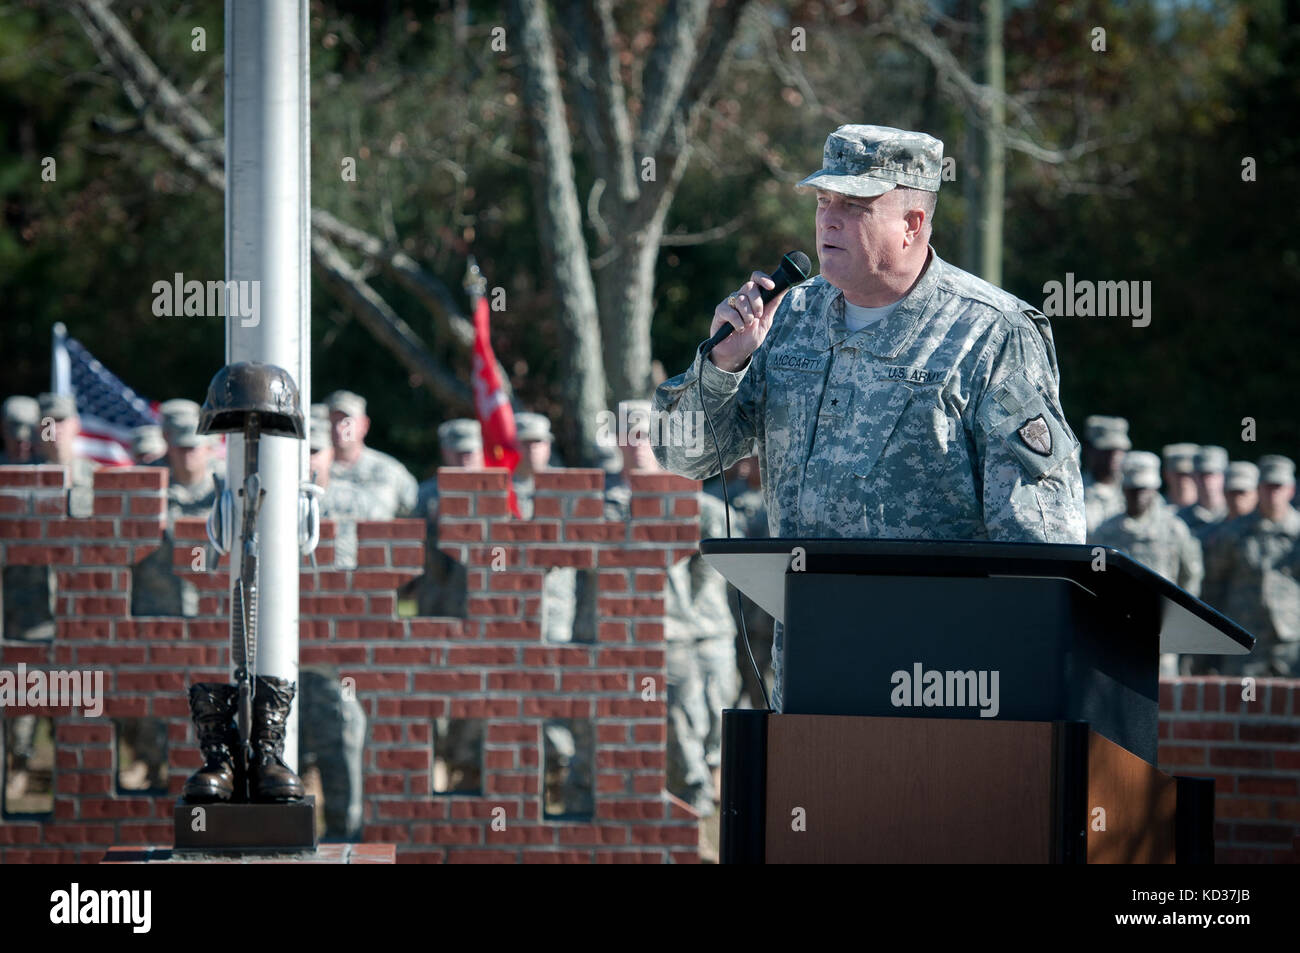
x=1186, y=625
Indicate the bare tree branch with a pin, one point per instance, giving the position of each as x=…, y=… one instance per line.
x=668, y=68
x=385, y=324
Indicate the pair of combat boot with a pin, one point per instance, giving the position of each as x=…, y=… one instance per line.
x=224, y=775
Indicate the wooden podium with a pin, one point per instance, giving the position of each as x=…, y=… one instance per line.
x=836, y=789
x=1054, y=766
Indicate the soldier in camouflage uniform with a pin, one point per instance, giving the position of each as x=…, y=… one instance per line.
x=533, y=432
x=1107, y=442
x=1211, y=506
x=1241, y=492
x=442, y=590
x=1180, y=474
x=28, y=591
x=389, y=485
x=699, y=634
x=1258, y=559
x=1151, y=532
x=333, y=739
x=22, y=415
x=148, y=446
x=192, y=489
x=57, y=444
x=1241, y=488
x=894, y=395
x=460, y=442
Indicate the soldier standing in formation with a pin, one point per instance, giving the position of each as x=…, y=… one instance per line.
x=1211, y=506
x=1255, y=562
x=1180, y=474
x=389, y=486
x=22, y=415
x=1107, y=442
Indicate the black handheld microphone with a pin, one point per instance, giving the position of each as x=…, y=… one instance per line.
x=794, y=268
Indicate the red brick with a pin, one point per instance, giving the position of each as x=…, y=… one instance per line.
x=484, y=708
x=16, y=555
x=497, y=605
x=649, y=507
x=521, y=681
x=379, y=681
x=551, y=557
x=569, y=480
x=1271, y=733
x=650, y=558
x=78, y=629
x=1267, y=785
x=21, y=529
x=594, y=682
x=465, y=480
x=551, y=657
x=1182, y=755
x=448, y=682
x=641, y=481
x=43, y=475
x=1203, y=730
x=547, y=507
x=482, y=655
x=441, y=628
x=402, y=760
x=687, y=507
x=483, y=856
x=1242, y=807
x=454, y=505
x=131, y=478
x=31, y=655
x=1241, y=758
x=523, y=631
x=507, y=734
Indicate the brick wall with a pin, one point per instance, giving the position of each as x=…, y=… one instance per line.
x=1251, y=747
x=493, y=665
x=406, y=671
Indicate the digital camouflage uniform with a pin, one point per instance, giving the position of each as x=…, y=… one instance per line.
x=391, y=487
x=1160, y=540
x=1203, y=520
x=1257, y=565
x=1102, y=500
x=943, y=421
x=333, y=738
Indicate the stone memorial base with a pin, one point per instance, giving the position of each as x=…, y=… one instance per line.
x=246, y=827
x=324, y=854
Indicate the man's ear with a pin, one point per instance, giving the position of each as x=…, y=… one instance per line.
x=915, y=219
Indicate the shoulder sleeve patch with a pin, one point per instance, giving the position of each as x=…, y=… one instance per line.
x=1017, y=417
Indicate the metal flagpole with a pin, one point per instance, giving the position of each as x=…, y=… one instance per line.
x=268, y=207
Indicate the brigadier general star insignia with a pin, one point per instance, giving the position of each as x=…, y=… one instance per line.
x=1037, y=435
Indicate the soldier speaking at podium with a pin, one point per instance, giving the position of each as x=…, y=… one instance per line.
x=893, y=395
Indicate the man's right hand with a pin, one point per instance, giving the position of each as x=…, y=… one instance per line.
x=751, y=318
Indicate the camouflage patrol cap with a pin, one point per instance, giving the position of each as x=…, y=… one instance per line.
x=865, y=161
x=1277, y=469
x=1242, y=476
x=1180, y=457
x=1141, y=469
x=529, y=426
x=147, y=441
x=1211, y=459
x=180, y=422
x=58, y=406
x=347, y=403
x=461, y=435
x=21, y=415
x=1107, y=433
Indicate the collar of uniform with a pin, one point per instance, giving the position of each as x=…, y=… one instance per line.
x=1289, y=524
x=886, y=338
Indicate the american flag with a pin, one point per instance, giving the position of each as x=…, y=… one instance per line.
x=108, y=409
